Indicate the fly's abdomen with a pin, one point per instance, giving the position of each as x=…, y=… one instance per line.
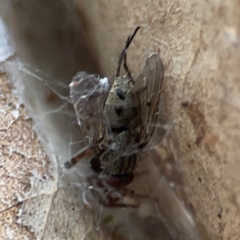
x=113, y=164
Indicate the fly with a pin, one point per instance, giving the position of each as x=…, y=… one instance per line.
x=118, y=120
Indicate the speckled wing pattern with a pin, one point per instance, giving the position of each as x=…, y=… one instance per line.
x=149, y=84
x=88, y=94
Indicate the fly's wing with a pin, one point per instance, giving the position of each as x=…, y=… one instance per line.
x=88, y=93
x=149, y=85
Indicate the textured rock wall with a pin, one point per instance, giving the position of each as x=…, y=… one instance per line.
x=198, y=42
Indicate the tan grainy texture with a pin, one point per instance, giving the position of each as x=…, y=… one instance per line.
x=32, y=205
x=198, y=42
x=199, y=45
x=25, y=167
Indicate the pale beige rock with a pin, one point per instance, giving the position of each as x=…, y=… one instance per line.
x=25, y=168
x=198, y=42
x=33, y=205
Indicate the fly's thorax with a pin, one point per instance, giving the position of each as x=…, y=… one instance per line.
x=122, y=104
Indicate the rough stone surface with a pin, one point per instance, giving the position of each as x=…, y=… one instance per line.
x=198, y=42
x=32, y=204
x=25, y=169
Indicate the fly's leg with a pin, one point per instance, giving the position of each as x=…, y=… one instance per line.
x=128, y=42
x=126, y=67
x=87, y=153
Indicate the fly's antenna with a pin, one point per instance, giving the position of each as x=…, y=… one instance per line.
x=123, y=55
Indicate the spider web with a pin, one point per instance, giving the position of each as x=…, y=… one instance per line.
x=160, y=215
